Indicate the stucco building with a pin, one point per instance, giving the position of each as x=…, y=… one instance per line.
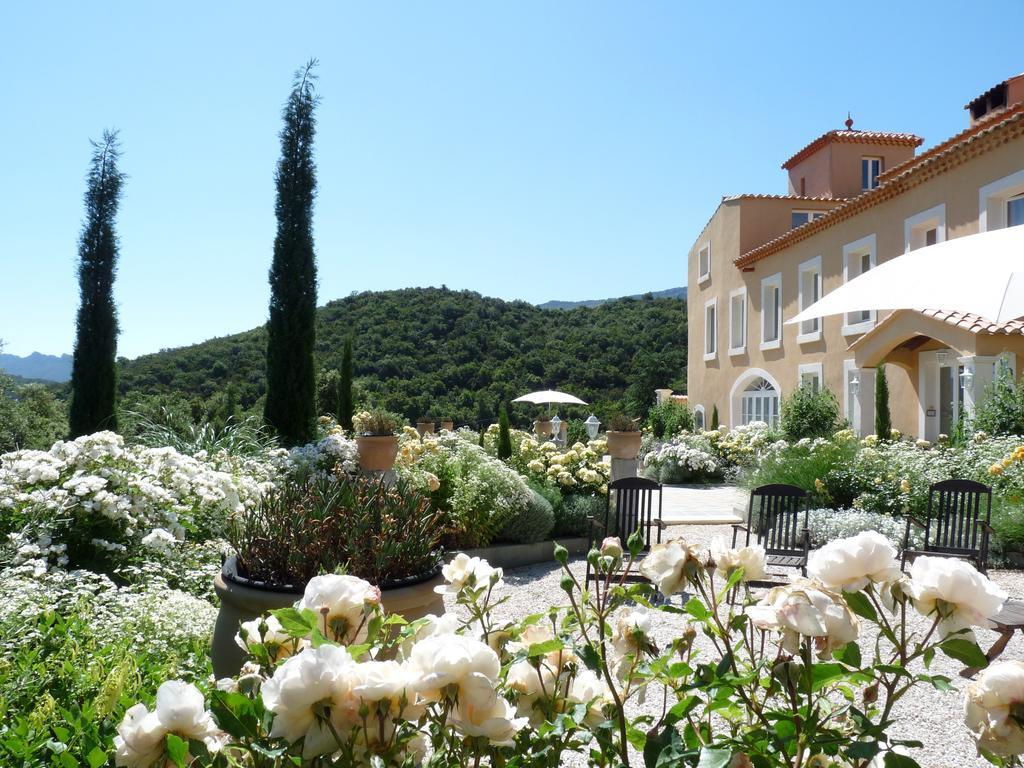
x=856, y=198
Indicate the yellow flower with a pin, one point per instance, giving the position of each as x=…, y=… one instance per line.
x=995, y=469
x=905, y=486
x=818, y=485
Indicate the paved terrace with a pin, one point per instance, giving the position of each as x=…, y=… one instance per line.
x=703, y=504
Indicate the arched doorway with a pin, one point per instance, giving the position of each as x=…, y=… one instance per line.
x=755, y=397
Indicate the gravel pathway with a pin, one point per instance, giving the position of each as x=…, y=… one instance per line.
x=927, y=715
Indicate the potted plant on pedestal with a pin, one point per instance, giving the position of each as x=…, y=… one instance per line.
x=542, y=426
x=425, y=425
x=448, y=425
x=623, y=437
x=387, y=535
x=376, y=439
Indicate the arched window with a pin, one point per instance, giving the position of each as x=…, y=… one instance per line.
x=760, y=402
x=698, y=417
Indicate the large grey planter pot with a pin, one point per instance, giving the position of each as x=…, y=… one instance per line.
x=240, y=602
x=519, y=555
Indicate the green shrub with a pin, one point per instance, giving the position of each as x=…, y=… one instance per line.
x=714, y=416
x=1001, y=410
x=532, y=523
x=810, y=465
x=669, y=418
x=807, y=413
x=504, y=439
x=549, y=491
x=1008, y=523
x=571, y=519
x=883, y=421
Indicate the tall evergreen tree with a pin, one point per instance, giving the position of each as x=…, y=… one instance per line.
x=291, y=330
x=94, y=368
x=714, y=416
x=345, y=405
x=504, y=436
x=883, y=421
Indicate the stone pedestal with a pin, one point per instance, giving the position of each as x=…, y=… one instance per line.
x=389, y=478
x=624, y=468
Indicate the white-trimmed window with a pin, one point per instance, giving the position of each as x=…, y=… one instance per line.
x=760, y=402
x=738, y=321
x=870, y=169
x=771, y=311
x=925, y=228
x=809, y=289
x=858, y=258
x=799, y=218
x=698, y=417
x=1001, y=203
x=810, y=375
x=710, y=329
x=704, y=263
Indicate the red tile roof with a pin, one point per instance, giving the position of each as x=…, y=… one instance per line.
x=854, y=137
x=989, y=132
x=976, y=323
x=799, y=198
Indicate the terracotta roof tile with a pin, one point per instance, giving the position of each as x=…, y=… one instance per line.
x=854, y=137
x=987, y=133
x=976, y=323
x=798, y=198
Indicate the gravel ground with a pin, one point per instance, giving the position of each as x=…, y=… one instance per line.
x=927, y=715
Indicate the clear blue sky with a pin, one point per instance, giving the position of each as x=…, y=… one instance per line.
x=531, y=150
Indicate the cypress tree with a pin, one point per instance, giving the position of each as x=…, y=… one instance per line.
x=504, y=438
x=345, y=406
x=290, y=407
x=94, y=367
x=714, y=416
x=883, y=421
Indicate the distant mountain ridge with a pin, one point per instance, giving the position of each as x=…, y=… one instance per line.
x=668, y=293
x=37, y=366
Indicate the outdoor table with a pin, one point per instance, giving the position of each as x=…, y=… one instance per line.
x=1009, y=619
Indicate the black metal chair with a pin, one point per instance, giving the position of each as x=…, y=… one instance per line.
x=637, y=508
x=777, y=520
x=957, y=524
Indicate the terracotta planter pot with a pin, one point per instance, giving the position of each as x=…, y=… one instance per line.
x=425, y=427
x=542, y=427
x=239, y=601
x=623, y=445
x=377, y=452
x=448, y=424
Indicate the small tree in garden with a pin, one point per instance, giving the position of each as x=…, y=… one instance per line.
x=504, y=438
x=714, y=417
x=291, y=330
x=94, y=369
x=328, y=392
x=1001, y=407
x=809, y=413
x=345, y=405
x=883, y=421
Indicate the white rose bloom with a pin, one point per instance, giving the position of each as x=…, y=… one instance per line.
x=443, y=660
x=279, y=643
x=445, y=624
x=954, y=589
x=992, y=708
x=751, y=559
x=632, y=631
x=480, y=711
x=669, y=565
x=851, y=564
x=463, y=571
x=297, y=691
x=180, y=710
x=341, y=602
x=587, y=688
x=806, y=609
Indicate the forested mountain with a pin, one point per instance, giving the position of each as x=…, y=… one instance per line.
x=668, y=293
x=454, y=354
x=37, y=366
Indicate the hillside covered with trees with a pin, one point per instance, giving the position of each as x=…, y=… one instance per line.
x=447, y=354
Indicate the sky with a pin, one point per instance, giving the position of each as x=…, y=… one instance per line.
x=524, y=150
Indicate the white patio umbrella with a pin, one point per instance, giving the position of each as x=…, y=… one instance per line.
x=980, y=274
x=549, y=396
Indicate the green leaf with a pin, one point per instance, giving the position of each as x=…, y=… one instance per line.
x=896, y=760
x=823, y=674
x=544, y=648
x=294, y=622
x=863, y=750
x=849, y=654
x=96, y=757
x=714, y=758
x=861, y=605
x=67, y=760
x=697, y=609
x=177, y=749
x=967, y=651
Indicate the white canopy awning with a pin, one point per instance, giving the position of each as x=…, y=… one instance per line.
x=982, y=274
x=549, y=396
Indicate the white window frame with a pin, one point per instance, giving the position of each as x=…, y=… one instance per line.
x=856, y=250
x=699, y=410
x=712, y=304
x=916, y=227
x=993, y=197
x=703, y=276
x=772, y=281
x=742, y=348
x=807, y=336
x=881, y=170
x=815, y=369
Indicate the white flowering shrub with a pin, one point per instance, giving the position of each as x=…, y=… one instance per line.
x=328, y=684
x=683, y=459
x=825, y=525
x=95, y=500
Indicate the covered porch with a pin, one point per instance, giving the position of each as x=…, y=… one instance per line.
x=950, y=358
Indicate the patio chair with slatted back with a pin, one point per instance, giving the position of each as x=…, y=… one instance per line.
x=777, y=520
x=957, y=524
x=637, y=508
